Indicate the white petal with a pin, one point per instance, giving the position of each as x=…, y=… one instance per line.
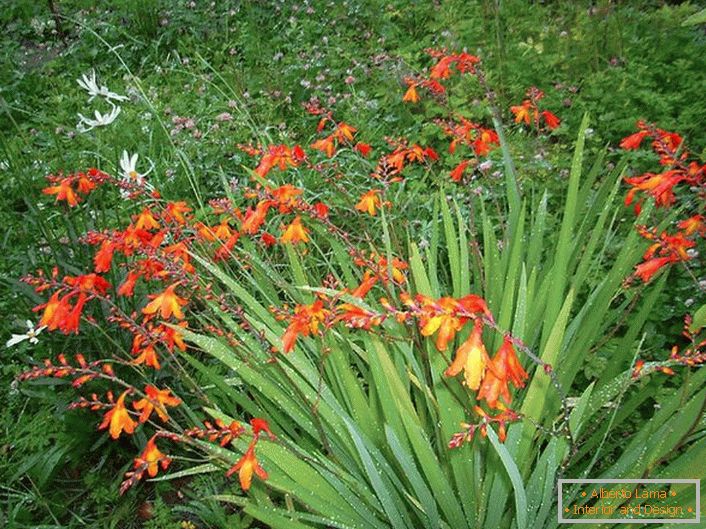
x=16, y=338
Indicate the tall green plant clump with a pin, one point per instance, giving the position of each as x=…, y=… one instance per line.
x=396, y=372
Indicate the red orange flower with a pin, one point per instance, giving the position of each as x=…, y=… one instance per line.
x=550, y=119
x=694, y=224
x=146, y=221
x=363, y=148
x=503, y=368
x=457, y=173
x=649, y=268
x=261, y=425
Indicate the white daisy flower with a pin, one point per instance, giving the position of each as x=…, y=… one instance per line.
x=90, y=85
x=130, y=175
x=30, y=335
x=128, y=166
x=102, y=120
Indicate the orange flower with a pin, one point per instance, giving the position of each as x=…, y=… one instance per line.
x=254, y=218
x=118, y=418
x=55, y=311
x=522, y=112
x=472, y=304
x=464, y=62
x=441, y=316
x=168, y=303
x=148, y=355
x=659, y=186
x=134, y=238
x=637, y=369
x=176, y=211
x=179, y=253
x=441, y=69
x=295, y=232
x=694, y=224
x=246, y=466
x=268, y=239
x=146, y=221
x=152, y=458
x=666, y=249
x=357, y=317
x=305, y=321
x=58, y=311
x=84, y=184
x=369, y=202
x=172, y=337
x=279, y=156
x=411, y=95
x=155, y=400
x=344, y=132
x=71, y=321
x=485, y=140
x=89, y=283
x=127, y=287
x=321, y=210
x=505, y=416
x=465, y=132
x=503, y=367
x=379, y=267
x=471, y=358
x=286, y=197
x=362, y=290
x=63, y=191
x=325, y=145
